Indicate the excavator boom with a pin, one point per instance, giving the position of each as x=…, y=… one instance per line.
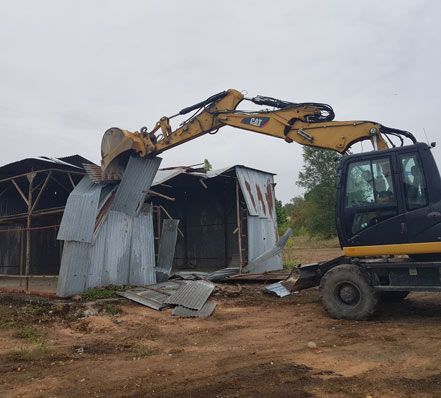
x=308, y=124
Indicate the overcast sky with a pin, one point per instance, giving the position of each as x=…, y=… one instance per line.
x=71, y=69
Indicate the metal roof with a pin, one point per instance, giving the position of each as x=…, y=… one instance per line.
x=163, y=175
x=40, y=163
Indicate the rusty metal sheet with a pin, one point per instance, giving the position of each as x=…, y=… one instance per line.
x=258, y=190
x=204, y=312
x=192, y=295
x=135, y=184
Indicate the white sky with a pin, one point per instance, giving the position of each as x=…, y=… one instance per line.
x=71, y=69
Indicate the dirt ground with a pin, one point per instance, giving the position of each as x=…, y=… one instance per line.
x=253, y=345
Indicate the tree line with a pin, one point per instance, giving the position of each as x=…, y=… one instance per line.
x=313, y=213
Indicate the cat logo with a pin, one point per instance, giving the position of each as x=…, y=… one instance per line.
x=256, y=121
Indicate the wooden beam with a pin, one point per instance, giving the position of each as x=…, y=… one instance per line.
x=71, y=180
x=41, y=191
x=30, y=177
x=20, y=192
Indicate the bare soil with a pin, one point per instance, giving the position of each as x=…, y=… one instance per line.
x=254, y=345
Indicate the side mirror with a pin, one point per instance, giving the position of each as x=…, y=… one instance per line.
x=433, y=144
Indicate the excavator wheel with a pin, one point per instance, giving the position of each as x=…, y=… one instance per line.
x=347, y=292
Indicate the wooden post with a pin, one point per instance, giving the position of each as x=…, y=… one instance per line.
x=30, y=177
x=239, y=226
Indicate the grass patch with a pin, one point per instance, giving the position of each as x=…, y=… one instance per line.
x=143, y=353
x=304, y=244
x=289, y=266
x=311, y=242
x=31, y=309
x=111, y=309
x=30, y=333
x=39, y=351
x=97, y=293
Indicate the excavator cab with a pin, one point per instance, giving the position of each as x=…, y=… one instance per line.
x=389, y=202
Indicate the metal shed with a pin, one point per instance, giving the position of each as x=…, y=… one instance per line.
x=33, y=193
x=227, y=216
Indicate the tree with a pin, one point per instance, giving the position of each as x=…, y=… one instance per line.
x=280, y=212
x=319, y=176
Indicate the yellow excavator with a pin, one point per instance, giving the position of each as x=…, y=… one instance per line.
x=388, y=207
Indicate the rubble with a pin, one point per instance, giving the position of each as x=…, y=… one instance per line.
x=188, y=297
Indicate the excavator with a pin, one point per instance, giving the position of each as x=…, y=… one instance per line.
x=388, y=207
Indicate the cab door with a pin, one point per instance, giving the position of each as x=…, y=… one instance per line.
x=371, y=208
x=420, y=181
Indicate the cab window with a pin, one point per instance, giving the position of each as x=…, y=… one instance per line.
x=369, y=182
x=370, y=195
x=415, y=188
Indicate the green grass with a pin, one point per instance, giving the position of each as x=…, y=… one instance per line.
x=111, y=309
x=140, y=353
x=309, y=242
x=31, y=309
x=30, y=333
x=39, y=351
x=302, y=242
x=101, y=292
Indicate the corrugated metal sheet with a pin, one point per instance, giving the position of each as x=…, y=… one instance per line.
x=134, y=186
x=192, y=295
x=261, y=238
x=166, y=250
x=142, y=256
x=11, y=250
x=117, y=258
x=205, y=311
x=268, y=255
x=165, y=175
x=79, y=216
x=258, y=190
x=278, y=289
x=94, y=172
x=222, y=274
x=74, y=268
x=153, y=296
x=97, y=255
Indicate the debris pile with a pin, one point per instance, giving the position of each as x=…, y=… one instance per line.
x=189, y=298
x=108, y=233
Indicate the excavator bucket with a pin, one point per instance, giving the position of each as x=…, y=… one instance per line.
x=302, y=277
x=116, y=147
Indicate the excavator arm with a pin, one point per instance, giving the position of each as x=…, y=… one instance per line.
x=308, y=124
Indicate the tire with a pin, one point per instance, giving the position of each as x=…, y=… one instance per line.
x=393, y=296
x=347, y=292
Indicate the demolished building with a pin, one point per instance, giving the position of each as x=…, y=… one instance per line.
x=224, y=218
x=33, y=193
